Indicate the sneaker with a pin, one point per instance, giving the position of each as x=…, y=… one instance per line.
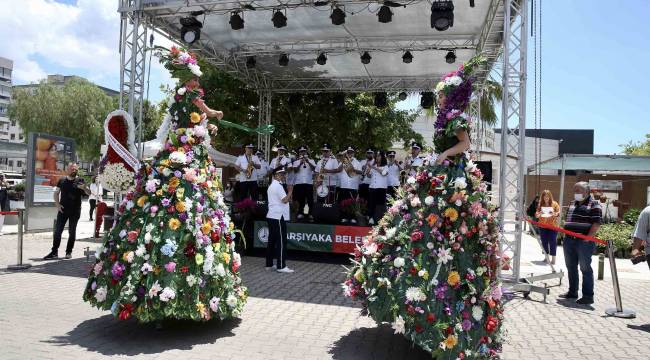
x=354, y=222
x=270, y=268
x=585, y=300
x=344, y=221
x=68, y=255
x=569, y=296
x=300, y=216
x=51, y=256
x=285, y=270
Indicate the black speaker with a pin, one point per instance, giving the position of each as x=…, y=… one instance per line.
x=261, y=209
x=326, y=213
x=486, y=170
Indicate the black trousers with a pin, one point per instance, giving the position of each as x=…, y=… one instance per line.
x=364, y=192
x=62, y=217
x=276, y=247
x=304, y=194
x=391, y=191
x=93, y=204
x=344, y=194
x=377, y=198
x=247, y=189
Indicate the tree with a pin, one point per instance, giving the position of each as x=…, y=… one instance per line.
x=638, y=148
x=76, y=110
x=489, y=93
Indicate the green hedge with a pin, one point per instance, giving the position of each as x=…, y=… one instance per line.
x=631, y=216
x=619, y=233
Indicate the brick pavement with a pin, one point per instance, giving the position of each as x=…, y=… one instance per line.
x=288, y=316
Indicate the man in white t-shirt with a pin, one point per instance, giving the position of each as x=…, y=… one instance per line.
x=276, y=218
x=303, y=189
x=349, y=179
x=328, y=166
x=96, y=193
x=247, y=177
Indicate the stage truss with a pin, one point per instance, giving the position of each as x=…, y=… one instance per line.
x=501, y=37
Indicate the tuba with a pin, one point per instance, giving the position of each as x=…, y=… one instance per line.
x=322, y=190
x=249, y=168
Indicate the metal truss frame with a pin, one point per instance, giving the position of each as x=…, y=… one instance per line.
x=264, y=113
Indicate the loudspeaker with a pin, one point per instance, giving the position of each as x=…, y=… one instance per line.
x=326, y=213
x=486, y=170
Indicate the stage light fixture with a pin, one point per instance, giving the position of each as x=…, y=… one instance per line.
x=426, y=99
x=236, y=21
x=250, y=62
x=365, y=58
x=450, y=58
x=284, y=60
x=402, y=96
x=321, y=59
x=442, y=15
x=385, y=15
x=339, y=100
x=380, y=100
x=279, y=19
x=471, y=3
x=190, y=29
x=407, y=58
x=338, y=17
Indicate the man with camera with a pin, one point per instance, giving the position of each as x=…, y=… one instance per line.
x=641, y=236
x=67, y=198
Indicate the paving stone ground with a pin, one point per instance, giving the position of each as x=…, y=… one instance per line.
x=288, y=316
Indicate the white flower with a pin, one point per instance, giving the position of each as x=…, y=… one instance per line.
x=458, y=202
x=480, y=270
x=460, y=183
x=130, y=256
x=398, y=325
x=370, y=248
x=195, y=69
x=429, y=200
x=98, y=268
x=444, y=256
x=411, y=180
x=399, y=262
x=454, y=80
x=477, y=313
x=231, y=300
x=440, y=86
x=155, y=289
x=140, y=251
x=115, y=177
x=430, y=245
x=181, y=91
x=470, y=167
x=146, y=268
x=220, y=270
x=214, y=304
x=390, y=233
x=191, y=280
x=415, y=202
x=178, y=157
x=167, y=171
x=167, y=294
x=100, y=294
x=147, y=238
x=415, y=294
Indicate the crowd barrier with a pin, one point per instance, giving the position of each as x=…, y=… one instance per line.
x=19, y=264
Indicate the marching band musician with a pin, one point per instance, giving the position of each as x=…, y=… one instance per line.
x=349, y=178
x=378, y=173
x=394, y=169
x=327, y=170
x=414, y=161
x=262, y=174
x=247, y=165
x=303, y=191
x=291, y=172
x=282, y=160
x=364, y=191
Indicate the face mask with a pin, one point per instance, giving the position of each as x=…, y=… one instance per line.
x=74, y=173
x=578, y=197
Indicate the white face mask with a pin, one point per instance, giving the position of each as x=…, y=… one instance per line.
x=578, y=197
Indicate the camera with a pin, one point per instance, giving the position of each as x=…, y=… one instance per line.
x=639, y=258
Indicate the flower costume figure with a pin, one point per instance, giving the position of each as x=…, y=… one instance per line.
x=171, y=253
x=429, y=266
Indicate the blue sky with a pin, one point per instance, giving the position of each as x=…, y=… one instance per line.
x=594, y=58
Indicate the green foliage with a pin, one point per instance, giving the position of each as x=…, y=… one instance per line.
x=619, y=233
x=19, y=187
x=631, y=216
x=641, y=148
x=76, y=110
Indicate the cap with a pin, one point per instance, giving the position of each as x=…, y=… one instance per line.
x=390, y=153
x=250, y=145
x=416, y=145
x=259, y=152
x=351, y=148
x=281, y=147
x=370, y=151
x=279, y=169
x=302, y=148
x=326, y=146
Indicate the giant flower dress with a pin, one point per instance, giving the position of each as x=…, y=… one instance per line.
x=171, y=253
x=428, y=267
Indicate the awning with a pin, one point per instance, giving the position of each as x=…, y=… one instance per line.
x=595, y=163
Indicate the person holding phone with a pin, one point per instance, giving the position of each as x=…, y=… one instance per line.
x=548, y=212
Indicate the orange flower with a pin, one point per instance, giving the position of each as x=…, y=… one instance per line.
x=450, y=341
x=206, y=227
x=174, y=223
x=195, y=118
x=142, y=200
x=452, y=214
x=432, y=219
x=180, y=206
x=174, y=182
x=453, y=278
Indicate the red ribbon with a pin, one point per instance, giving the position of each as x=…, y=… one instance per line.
x=8, y=212
x=571, y=233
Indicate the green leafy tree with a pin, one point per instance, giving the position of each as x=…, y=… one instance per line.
x=76, y=110
x=638, y=148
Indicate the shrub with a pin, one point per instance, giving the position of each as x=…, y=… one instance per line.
x=631, y=216
x=619, y=233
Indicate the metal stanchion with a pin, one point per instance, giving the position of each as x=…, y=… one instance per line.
x=618, y=311
x=601, y=266
x=20, y=265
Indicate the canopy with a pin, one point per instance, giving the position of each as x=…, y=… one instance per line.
x=595, y=163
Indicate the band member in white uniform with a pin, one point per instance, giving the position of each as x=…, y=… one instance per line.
x=247, y=166
x=364, y=191
x=263, y=174
x=282, y=160
x=276, y=218
x=291, y=172
x=349, y=179
x=378, y=185
x=327, y=171
x=303, y=190
x=414, y=161
x=394, y=169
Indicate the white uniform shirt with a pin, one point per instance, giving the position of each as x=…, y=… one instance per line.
x=330, y=164
x=393, y=174
x=415, y=163
x=347, y=182
x=379, y=179
x=277, y=208
x=304, y=173
x=642, y=229
x=242, y=162
x=96, y=191
x=291, y=174
x=362, y=163
x=263, y=171
x=285, y=162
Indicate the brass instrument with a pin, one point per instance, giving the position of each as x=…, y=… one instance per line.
x=249, y=167
x=322, y=190
x=347, y=165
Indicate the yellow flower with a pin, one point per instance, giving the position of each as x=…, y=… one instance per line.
x=200, y=308
x=452, y=214
x=450, y=341
x=195, y=118
x=173, y=182
x=359, y=276
x=180, y=206
x=226, y=258
x=206, y=227
x=174, y=223
x=142, y=200
x=180, y=193
x=164, y=162
x=199, y=259
x=231, y=226
x=180, y=131
x=453, y=278
x=159, y=192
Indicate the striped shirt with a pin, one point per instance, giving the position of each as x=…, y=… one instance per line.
x=581, y=215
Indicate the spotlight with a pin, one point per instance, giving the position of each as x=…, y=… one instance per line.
x=236, y=21
x=365, y=58
x=284, y=60
x=450, y=58
x=321, y=59
x=380, y=100
x=190, y=29
x=385, y=15
x=407, y=58
x=426, y=99
x=442, y=15
x=250, y=62
x=402, y=96
x=339, y=100
x=279, y=19
x=338, y=17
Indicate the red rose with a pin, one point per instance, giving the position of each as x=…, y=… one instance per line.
x=418, y=328
x=185, y=269
x=416, y=235
x=410, y=310
x=171, y=209
x=491, y=323
x=416, y=251
x=190, y=250
x=450, y=330
x=113, y=257
x=431, y=318
x=132, y=235
x=114, y=282
x=413, y=271
x=215, y=237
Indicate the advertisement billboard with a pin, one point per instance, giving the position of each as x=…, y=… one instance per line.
x=47, y=157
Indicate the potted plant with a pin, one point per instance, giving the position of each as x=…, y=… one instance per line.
x=354, y=209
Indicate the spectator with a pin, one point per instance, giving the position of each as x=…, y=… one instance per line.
x=584, y=217
x=96, y=193
x=67, y=198
x=4, y=198
x=548, y=212
x=531, y=213
x=642, y=235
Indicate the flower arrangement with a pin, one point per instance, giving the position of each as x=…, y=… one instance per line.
x=182, y=64
x=116, y=178
x=246, y=205
x=352, y=207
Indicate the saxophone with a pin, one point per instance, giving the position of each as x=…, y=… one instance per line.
x=249, y=168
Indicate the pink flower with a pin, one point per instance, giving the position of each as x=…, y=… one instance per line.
x=199, y=131
x=190, y=174
x=133, y=235
x=170, y=266
x=477, y=209
x=154, y=209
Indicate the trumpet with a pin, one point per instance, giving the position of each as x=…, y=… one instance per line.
x=347, y=165
x=249, y=167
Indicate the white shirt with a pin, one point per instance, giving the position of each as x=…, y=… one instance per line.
x=362, y=163
x=242, y=162
x=415, y=163
x=304, y=173
x=330, y=164
x=96, y=192
x=277, y=208
x=263, y=171
x=347, y=182
x=379, y=179
x=393, y=174
x=285, y=161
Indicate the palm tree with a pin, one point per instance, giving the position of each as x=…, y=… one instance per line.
x=490, y=93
